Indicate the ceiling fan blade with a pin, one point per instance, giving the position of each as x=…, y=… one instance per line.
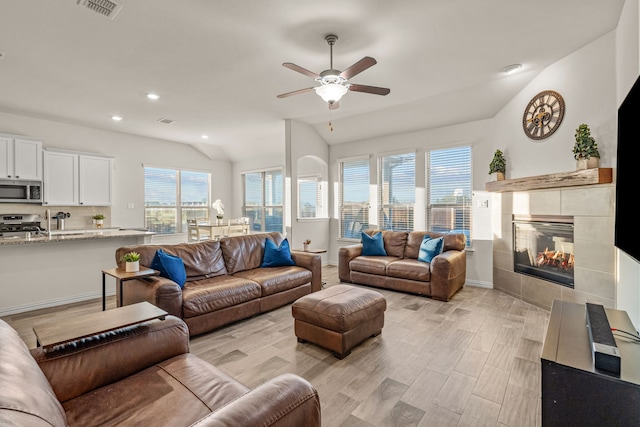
x=358, y=67
x=299, y=69
x=296, y=92
x=369, y=89
x=334, y=105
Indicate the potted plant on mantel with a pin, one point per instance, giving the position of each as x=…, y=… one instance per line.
x=585, y=150
x=99, y=220
x=498, y=165
x=132, y=260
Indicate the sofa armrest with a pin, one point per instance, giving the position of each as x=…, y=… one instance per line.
x=84, y=365
x=162, y=292
x=448, y=274
x=287, y=400
x=345, y=255
x=313, y=263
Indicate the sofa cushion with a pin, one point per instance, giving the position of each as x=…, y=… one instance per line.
x=452, y=242
x=277, y=279
x=201, y=259
x=245, y=252
x=372, y=265
x=170, y=266
x=430, y=248
x=394, y=241
x=26, y=397
x=276, y=255
x=410, y=269
x=177, y=391
x=373, y=245
x=213, y=294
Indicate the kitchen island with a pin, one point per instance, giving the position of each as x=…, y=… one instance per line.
x=44, y=271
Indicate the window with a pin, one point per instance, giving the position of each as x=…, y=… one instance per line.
x=309, y=198
x=263, y=203
x=397, y=186
x=163, y=188
x=353, y=197
x=449, y=196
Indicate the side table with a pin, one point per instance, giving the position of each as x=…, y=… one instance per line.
x=313, y=251
x=121, y=275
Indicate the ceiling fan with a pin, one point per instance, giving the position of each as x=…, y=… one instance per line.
x=335, y=83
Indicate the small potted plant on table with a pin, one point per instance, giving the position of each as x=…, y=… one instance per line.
x=132, y=260
x=219, y=207
x=99, y=220
x=305, y=245
x=585, y=150
x=498, y=165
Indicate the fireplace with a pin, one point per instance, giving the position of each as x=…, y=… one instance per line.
x=543, y=247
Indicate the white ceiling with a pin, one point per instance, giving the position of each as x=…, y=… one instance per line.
x=217, y=65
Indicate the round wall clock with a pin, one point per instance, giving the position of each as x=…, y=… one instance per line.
x=543, y=115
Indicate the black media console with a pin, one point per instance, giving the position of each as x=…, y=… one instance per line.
x=574, y=391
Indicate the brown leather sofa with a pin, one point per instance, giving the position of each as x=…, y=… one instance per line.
x=139, y=376
x=400, y=269
x=224, y=280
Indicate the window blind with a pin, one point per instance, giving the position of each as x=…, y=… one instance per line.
x=397, y=191
x=353, y=197
x=450, y=190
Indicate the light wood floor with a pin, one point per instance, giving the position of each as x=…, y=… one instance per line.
x=474, y=361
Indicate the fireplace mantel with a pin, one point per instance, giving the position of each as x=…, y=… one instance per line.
x=554, y=180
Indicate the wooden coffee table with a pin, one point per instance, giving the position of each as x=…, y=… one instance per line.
x=49, y=335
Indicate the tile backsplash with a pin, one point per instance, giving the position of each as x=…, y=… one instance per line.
x=81, y=217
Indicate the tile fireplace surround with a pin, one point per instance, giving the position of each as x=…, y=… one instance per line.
x=593, y=209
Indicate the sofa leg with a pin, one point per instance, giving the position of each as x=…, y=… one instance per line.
x=375, y=334
x=300, y=340
x=341, y=355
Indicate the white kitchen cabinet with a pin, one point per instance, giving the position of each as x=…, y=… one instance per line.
x=95, y=180
x=76, y=179
x=20, y=158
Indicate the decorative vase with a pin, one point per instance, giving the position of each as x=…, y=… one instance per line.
x=99, y=223
x=581, y=164
x=218, y=220
x=499, y=176
x=305, y=247
x=593, y=162
x=132, y=266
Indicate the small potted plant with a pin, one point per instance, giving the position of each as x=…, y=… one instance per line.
x=306, y=244
x=219, y=207
x=132, y=260
x=498, y=165
x=585, y=150
x=98, y=219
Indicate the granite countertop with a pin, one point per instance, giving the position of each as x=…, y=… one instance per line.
x=66, y=235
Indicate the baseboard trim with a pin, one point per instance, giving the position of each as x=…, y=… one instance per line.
x=51, y=303
x=479, y=284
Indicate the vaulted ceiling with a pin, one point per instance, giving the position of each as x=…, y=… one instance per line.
x=217, y=65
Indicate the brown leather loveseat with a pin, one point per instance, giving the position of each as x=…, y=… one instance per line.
x=139, y=376
x=400, y=269
x=225, y=282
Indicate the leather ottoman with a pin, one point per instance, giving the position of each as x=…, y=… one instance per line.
x=339, y=317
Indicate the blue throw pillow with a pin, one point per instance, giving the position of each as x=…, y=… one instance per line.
x=429, y=248
x=373, y=245
x=170, y=266
x=276, y=256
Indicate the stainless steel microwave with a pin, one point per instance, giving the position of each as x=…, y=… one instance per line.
x=13, y=191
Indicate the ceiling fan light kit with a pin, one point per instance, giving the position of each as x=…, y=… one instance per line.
x=334, y=83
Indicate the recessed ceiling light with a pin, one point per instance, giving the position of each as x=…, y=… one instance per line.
x=510, y=69
x=205, y=136
x=116, y=118
x=153, y=96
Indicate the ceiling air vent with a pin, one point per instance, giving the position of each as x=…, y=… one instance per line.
x=166, y=121
x=106, y=8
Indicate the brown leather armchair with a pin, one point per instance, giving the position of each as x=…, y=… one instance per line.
x=143, y=376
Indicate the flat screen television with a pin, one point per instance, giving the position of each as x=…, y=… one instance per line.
x=627, y=174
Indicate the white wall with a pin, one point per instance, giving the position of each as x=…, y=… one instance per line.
x=303, y=141
x=130, y=153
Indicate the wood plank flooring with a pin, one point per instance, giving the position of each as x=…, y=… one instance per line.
x=474, y=361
